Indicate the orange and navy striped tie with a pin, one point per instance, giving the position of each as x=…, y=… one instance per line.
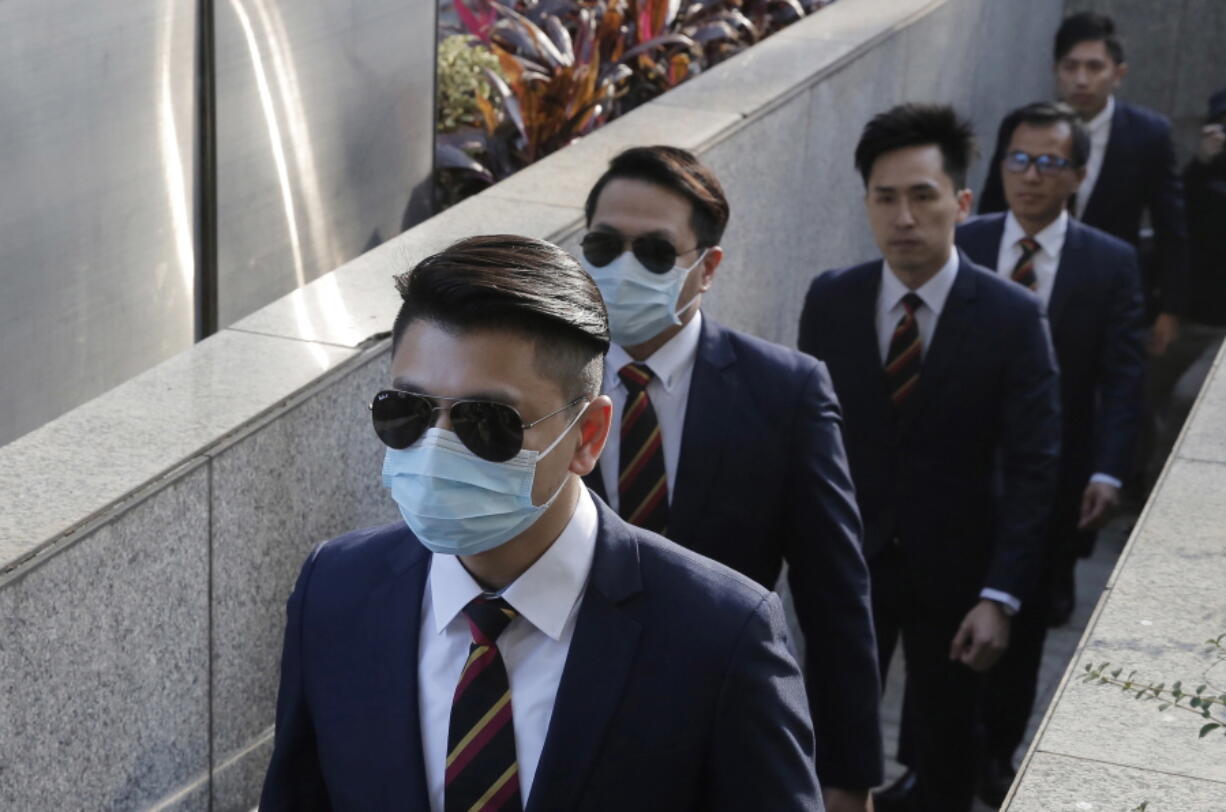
x=902, y=362
x=642, y=485
x=1023, y=271
x=482, y=771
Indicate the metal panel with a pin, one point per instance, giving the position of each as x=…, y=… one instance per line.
x=97, y=119
x=325, y=115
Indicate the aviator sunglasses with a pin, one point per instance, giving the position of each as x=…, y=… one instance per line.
x=1018, y=161
x=492, y=431
x=657, y=254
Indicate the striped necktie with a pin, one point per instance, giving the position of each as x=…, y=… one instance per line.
x=642, y=485
x=902, y=362
x=482, y=771
x=1023, y=271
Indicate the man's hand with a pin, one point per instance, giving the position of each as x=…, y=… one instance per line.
x=847, y=800
x=983, y=636
x=1164, y=331
x=1098, y=502
x=1212, y=141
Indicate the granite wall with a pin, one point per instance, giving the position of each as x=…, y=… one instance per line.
x=149, y=539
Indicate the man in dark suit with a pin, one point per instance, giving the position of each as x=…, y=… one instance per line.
x=951, y=419
x=514, y=644
x=729, y=445
x=1091, y=286
x=1131, y=170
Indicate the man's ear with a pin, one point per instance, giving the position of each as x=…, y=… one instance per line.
x=965, y=198
x=593, y=433
x=714, y=256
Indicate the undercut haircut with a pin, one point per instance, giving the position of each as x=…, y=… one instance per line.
x=1047, y=114
x=1089, y=26
x=522, y=285
x=679, y=171
x=918, y=125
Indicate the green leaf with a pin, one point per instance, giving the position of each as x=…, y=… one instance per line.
x=1175, y=688
x=1164, y=706
x=1116, y=673
x=1209, y=728
x=1200, y=689
x=1195, y=702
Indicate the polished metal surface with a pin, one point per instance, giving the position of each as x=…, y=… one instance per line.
x=324, y=131
x=97, y=122
x=324, y=125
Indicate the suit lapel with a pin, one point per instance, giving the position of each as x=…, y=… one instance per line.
x=947, y=338
x=1068, y=272
x=396, y=604
x=861, y=325
x=981, y=241
x=602, y=654
x=1102, y=194
x=710, y=408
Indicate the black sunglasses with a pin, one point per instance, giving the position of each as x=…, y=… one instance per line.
x=1018, y=161
x=492, y=431
x=657, y=254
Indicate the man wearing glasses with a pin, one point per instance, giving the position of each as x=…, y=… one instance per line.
x=729, y=445
x=1090, y=284
x=513, y=644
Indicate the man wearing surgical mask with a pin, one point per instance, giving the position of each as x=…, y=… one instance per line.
x=513, y=644
x=730, y=445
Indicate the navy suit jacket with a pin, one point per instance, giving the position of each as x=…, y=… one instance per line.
x=1096, y=316
x=1138, y=174
x=762, y=477
x=678, y=692
x=964, y=485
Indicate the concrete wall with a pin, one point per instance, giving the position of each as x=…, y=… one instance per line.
x=149, y=539
x=1176, y=52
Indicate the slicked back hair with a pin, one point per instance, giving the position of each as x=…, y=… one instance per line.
x=677, y=170
x=1047, y=114
x=918, y=125
x=1088, y=26
x=519, y=284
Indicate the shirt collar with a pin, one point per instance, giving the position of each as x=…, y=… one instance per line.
x=1050, y=239
x=545, y=594
x=934, y=292
x=669, y=363
x=1102, y=122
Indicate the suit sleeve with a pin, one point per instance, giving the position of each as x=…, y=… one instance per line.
x=1121, y=373
x=993, y=197
x=1166, y=213
x=1029, y=456
x=830, y=589
x=761, y=753
x=295, y=779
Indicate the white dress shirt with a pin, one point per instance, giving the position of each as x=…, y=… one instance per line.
x=1046, y=259
x=934, y=293
x=1046, y=263
x=1100, y=134
x=533, y=647
x=673, y=367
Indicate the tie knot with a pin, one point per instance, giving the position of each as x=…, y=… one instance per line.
x=488, y=618
x=636, y=375
x=1030, y=246
x=912, y=302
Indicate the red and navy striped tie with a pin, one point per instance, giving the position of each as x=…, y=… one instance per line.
x=1023, y=271
x=482, y=770
x=902, y=362
x=642, y=485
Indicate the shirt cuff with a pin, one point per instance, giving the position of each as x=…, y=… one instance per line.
x=1108, y=479
x=1011, y=604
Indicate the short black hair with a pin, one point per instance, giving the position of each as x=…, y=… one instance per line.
x=1089, y=26
x=918, y=125
x=678, y=170
x=1047, y=114
x=520, y=284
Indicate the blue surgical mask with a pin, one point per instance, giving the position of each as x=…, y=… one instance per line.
x=641, y=304
x=459, y=504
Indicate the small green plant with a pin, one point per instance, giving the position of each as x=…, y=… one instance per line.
x=462, y=79
x=1210, y=707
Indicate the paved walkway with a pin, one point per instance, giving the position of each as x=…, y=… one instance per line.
x=1092, y=575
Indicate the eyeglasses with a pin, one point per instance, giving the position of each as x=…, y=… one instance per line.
x=492, y=431
x=1018, y=161
x=657, y=254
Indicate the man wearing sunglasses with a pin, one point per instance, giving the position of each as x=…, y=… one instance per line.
x=730, y=445
x=1090, y=285
x=513, y=644
x=951, y=418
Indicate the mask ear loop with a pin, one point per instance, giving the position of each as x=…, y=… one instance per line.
x=545, y=505
x=694, y=298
